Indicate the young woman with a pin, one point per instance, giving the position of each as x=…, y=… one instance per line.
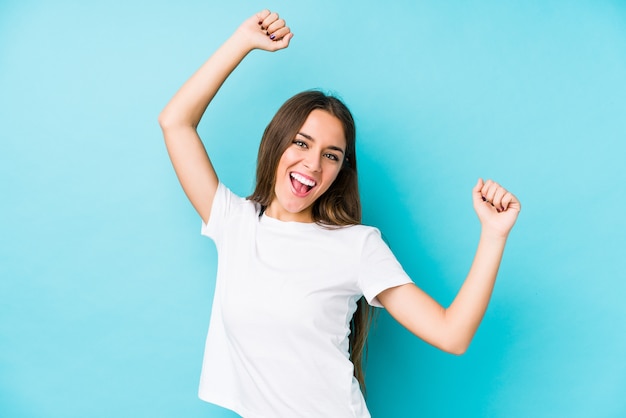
x=294, y=263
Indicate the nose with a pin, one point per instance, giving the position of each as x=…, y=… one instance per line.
x=313, y=162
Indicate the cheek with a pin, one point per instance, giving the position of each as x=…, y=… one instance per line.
x=284, y=161
x=333, y=173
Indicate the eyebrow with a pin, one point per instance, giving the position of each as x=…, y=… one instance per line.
x=333, y=147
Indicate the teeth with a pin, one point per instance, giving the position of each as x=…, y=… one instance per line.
x=303, y=180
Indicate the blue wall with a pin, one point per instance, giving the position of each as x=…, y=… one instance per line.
x=106, y=284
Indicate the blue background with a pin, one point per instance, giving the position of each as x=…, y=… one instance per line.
x=106, y=284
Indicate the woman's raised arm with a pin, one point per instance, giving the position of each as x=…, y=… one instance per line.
x=452, y=329
x=180, y=118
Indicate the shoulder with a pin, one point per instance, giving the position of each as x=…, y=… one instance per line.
x=232, y=202
x=228, y=209
x=358, y=230
x=357, y=236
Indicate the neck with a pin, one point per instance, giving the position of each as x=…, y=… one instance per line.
x=277, y=212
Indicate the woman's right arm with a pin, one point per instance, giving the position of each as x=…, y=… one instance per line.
x=181, y=116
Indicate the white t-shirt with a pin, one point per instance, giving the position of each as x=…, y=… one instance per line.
x=277, y=344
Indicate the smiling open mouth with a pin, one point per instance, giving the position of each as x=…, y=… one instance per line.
x=301, y=184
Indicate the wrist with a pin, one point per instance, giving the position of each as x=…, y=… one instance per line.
x=493, y=235
x=241, y=42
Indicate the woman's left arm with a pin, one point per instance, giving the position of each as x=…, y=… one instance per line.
x=452, y=329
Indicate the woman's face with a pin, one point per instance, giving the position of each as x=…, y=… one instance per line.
x=308, y=167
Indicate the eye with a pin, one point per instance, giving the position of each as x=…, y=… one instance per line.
x=299, y=143
x=331, y=157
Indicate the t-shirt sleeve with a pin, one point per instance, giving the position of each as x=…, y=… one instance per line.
x=219, y=212
x=379, y=269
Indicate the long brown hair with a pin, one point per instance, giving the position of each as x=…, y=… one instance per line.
x=340, y=205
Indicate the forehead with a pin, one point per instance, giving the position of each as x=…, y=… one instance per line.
x=325, y=128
